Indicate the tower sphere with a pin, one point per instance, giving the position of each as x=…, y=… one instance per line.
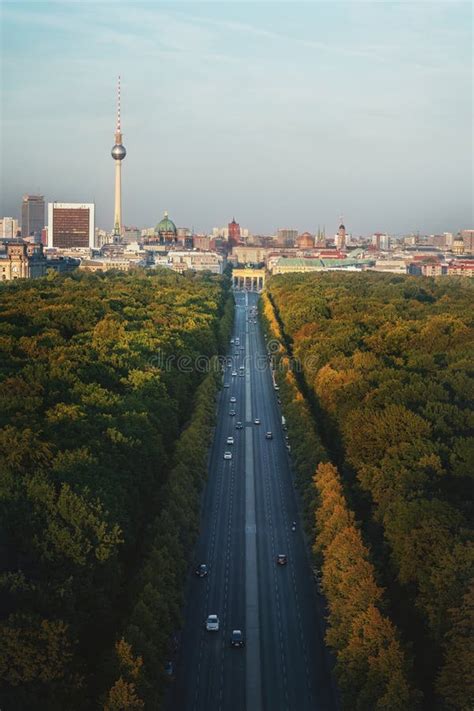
x=118, y=152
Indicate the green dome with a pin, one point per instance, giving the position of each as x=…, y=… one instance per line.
x=166, y=225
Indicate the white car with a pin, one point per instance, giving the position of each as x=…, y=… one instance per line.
x=227, y=455
x=230, y=440
x=233, y=399
x=234, y=373
x=256, y=421
x=212, y=623
x=226, y=385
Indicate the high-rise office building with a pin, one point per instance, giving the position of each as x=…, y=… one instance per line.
x=32, y=215
x=381, y=241
x=118, y=154
x=286, y=237
x=71, y=225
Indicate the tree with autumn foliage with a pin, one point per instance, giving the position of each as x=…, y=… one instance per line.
x=372, y=668
x=387, y=364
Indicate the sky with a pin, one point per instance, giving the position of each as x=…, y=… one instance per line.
x=282, y=114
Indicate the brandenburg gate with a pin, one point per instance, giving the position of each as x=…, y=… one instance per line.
x=248, y=279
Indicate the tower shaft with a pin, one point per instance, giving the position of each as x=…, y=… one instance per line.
x=118, y=198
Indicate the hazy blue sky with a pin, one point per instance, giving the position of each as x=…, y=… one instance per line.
x=282, y=114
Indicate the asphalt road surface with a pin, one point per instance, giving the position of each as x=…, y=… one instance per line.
x=248, y=508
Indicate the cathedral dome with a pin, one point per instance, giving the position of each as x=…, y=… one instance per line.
x=166, y=226
x=305, y=241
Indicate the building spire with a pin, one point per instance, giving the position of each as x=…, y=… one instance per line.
x=119, y=128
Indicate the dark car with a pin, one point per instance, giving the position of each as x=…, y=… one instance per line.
x=237, y=639
x=238, y=426
x=201, y=571
x=169, y=670
x=282, y=559
x=318, y=580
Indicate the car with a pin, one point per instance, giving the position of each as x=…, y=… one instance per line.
x=234, y=373
x=241, y=373
x=276, y=387
x=256, y=421
x=238, y=426
x=231, y=340
x=230, y=440
x=227, y=455
x=232, y=413
x=269, y=435
x=237, y=639
x=226, y=385
x=201, y=571
x=233, y=399
x=282, y=559
x=288, y=447
x=169, y=670
x=212, y=623
x=318, y=580
x=278, y=401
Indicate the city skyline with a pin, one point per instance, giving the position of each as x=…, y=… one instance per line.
x=338, y=122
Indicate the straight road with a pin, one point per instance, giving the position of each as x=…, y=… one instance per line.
x=249, y=505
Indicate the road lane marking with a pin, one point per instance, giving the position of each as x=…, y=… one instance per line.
x=252, y=618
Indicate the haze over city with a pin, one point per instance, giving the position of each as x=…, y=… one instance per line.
x=284, y=115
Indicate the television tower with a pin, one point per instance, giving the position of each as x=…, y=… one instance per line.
x=118, y=154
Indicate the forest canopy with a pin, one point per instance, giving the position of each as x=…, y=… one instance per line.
x=98, y=376
x=387, y=364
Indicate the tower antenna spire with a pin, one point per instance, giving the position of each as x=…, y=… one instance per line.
x=118, y=106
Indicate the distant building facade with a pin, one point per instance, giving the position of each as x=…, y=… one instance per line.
x=32, y=215
x=201, y=242
x=305, y=241
x=461, y=267
x=166, y=229
x=22, y=260
x=71, y=225
x=248, y=255
x=234, y=232
x=180, y=261
x=8, y=228
x=340, y=238
x=381, y=241
x=286, y=237
x=468, y=241
x=458, y=245
x=284, y=265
